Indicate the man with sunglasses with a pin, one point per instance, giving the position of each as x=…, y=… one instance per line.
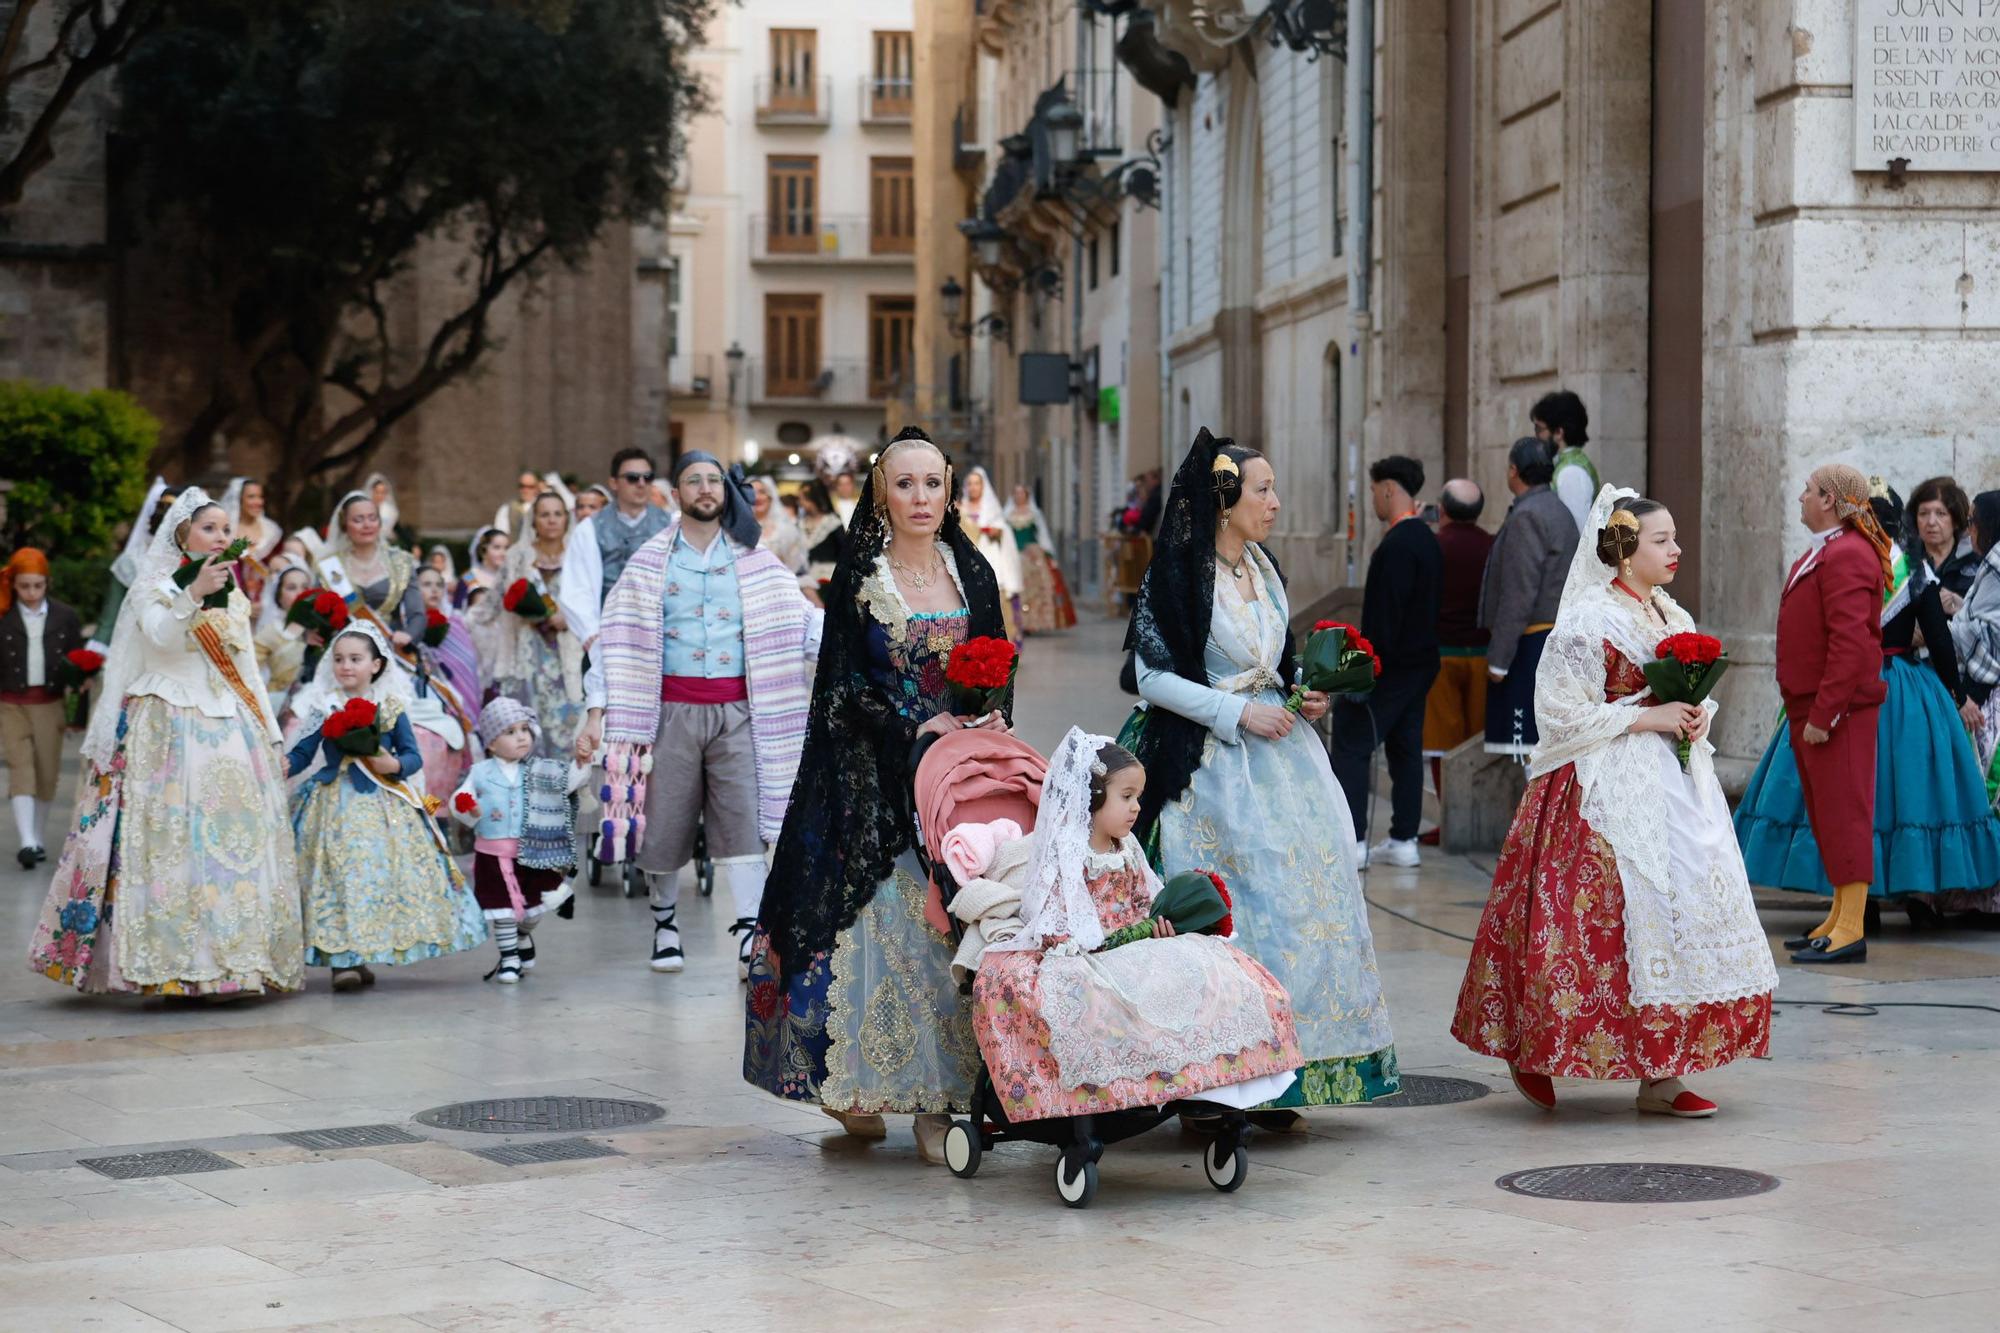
x=698, y=690
x=600, y=545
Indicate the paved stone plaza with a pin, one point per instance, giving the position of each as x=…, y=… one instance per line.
x=733, y=1211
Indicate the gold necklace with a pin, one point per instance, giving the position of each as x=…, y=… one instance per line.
x=919, y=581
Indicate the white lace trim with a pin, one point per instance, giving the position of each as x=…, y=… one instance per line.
x=1691, y=930
x=1148, y=1007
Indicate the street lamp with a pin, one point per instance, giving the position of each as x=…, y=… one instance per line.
x=734, y=356
x=1064, y=124
x=1315, y=27
x=987, y=240
x=951, y=297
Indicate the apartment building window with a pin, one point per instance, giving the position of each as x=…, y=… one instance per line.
x=794, y=70
x=791, y=344
x=793, y=187
x=889, y=89
x=892, y=330
x=892, y=206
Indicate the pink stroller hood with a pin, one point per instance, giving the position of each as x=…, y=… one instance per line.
x=974, y=777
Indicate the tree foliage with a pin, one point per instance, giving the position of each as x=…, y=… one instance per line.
x=41, y=80
x=294, y=157
x=78, y=466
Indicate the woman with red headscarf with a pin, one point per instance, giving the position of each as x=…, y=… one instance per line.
x=36, y=633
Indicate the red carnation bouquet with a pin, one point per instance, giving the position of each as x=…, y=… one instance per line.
x=1195, y=902
x=354, y=728
x=1336, y=660
x=319, y=611
x=525, y=600
x=79, y=665
x=465, y=804
x=981, y=674
x=436, y=625
x=1685, y=671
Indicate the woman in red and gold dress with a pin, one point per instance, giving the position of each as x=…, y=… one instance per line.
x=1620, y=940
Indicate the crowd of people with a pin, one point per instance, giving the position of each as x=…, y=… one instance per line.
x=298, y=740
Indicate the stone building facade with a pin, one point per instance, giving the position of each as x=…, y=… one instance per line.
x=1656, y=205
x=793, y=238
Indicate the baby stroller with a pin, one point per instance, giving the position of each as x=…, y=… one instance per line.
x=974, y=776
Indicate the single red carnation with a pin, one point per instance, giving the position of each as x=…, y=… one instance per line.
x=84, y=660
x=464, y=804
x=435, y=618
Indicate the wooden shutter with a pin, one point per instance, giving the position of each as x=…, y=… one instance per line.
x=889, y=94
x=791, y=345
x=793, y=187
x=795, y=70
x=892, y=206
x=892, y=331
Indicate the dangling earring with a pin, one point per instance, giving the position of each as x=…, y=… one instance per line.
x=1625, y=569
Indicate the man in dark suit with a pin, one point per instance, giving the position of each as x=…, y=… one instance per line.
x=1830, y=674
x=1399, y=611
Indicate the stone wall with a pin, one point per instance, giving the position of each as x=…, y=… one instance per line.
x=1849, y=321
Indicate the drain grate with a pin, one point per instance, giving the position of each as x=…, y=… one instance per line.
x=1428, y=1090
x=1637, y=1182
x=170, y=1162
x=546, y=1150
x=539, y=1115
x=351, y=1136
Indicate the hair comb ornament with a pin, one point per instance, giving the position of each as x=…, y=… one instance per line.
x=1224, y=463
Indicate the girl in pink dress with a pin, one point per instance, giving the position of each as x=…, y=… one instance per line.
x=1070, y=1027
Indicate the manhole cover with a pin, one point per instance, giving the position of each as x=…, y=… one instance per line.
x=1637, y=1182
x=172, y=1162
x=546, y=1150
x=1427, y=1090
x=540, y=1115
x=352, y=1136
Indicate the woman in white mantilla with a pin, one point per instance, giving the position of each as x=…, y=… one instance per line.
x=1620, y=940
x=178, y=876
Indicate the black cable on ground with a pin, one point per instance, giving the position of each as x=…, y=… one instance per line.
x=1872, y=1008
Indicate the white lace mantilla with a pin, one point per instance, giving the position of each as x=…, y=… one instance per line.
x=1691, y=930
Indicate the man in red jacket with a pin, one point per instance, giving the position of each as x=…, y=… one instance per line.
x=1830, y=674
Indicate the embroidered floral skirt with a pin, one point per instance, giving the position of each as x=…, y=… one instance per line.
x=540, y=687
x=1009, y=1018
x=1270, y=819
x=377, y=888
x=177, y=877
x=1045, y=600
x=1547, y=987
x=875, y=1025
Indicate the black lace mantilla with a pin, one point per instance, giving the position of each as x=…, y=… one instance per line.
x=850, y=814
x=1170, y=622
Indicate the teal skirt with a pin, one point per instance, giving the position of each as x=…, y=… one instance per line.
x=1934, y=828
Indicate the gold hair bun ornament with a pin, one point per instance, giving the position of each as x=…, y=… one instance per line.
x=1224, y=463
x=1878, y=489
x=1618, y=538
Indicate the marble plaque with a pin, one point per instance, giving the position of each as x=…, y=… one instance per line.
x=1927, y=84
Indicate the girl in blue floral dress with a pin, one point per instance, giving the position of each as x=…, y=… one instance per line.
x=378, y=884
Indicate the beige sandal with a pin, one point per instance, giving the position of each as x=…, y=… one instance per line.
x=860, y=1126
x=931, y=1129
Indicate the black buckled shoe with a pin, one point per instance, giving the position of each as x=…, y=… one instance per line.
x=1797, y=942
x=1819, y=952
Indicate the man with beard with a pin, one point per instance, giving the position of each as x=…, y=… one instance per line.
x=698, y=686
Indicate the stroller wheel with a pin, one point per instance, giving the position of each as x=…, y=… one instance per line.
x=962, y=1149
x=1079, y=1189
x=1225, y=1166
x=635, y=881
x=596, y=866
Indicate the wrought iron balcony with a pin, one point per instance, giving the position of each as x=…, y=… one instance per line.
x=788, y=101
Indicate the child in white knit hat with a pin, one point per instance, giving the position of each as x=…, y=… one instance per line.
x=522, y=813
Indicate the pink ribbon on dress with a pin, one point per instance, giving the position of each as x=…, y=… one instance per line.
x=504, y=850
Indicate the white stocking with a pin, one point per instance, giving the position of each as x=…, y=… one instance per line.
x=745, y=878
x=24, y=821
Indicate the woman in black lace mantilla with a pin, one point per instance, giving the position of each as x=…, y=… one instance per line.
x=851, y=1001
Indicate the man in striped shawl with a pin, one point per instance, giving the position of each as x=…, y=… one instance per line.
x=697, y=688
